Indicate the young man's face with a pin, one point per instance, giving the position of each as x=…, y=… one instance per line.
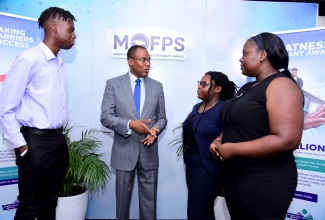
x=65, y=33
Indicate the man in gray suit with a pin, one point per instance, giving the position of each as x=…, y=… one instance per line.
x=135, y=146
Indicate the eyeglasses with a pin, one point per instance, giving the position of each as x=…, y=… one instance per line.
x=143, y=60
x=202, y=84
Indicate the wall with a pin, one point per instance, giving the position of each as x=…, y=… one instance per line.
x=321, y=21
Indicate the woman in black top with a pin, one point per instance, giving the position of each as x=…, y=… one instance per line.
x=262, y=126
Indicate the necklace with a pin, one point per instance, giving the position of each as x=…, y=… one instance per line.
x=206, y=107
x=214, y=103
x=250, y=87
x=246, y=90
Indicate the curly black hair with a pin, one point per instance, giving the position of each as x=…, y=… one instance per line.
x=229, y=88
x=228, y=91
x=51, y=13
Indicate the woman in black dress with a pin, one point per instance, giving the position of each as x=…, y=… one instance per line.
x=262, y=126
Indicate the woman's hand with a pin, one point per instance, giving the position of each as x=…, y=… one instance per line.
x=214, y=146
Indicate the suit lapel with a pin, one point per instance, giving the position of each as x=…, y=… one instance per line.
x=127, y=90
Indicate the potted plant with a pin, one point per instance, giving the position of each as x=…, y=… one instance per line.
x=220, y=207
x=87, y=172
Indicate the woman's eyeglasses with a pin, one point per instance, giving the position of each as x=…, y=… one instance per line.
x=202, y=84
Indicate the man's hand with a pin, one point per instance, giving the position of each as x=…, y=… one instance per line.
x=151, y=137
x=140, y=126
x=154, y=131
x=23, y=150
x=148, y=140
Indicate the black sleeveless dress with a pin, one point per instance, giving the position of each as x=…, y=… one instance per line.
x=255, y=188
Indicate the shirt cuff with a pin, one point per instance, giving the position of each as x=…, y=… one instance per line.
x=128, y=127
x=18, y=141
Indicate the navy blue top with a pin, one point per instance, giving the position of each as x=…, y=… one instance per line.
x=207, y=130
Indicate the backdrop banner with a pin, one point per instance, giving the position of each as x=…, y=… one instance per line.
x=16, y=34
x=306, y=48
x=185, y=40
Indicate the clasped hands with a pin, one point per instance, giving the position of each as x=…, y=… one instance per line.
x=141, y=127
x=214, y=146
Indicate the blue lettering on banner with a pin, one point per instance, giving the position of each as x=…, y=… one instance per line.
x=161, y=43
x=312, y=147
x=177, y=41
x=125, y=41
x=8, y=182
x=306, y=196
x=10, y=207
x=140, y=39
x=306, y=48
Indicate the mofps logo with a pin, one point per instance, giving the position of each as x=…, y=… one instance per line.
x=140, y=39
x=171, y=45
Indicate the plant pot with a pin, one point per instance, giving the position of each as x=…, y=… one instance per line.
x=72, y=207
x=220, y=209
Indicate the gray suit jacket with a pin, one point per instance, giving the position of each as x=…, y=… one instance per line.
x=118, y=108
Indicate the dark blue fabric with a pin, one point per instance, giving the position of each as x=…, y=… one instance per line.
x=137, y=96
x=202, y=187
x=207, y=130
x=203, y=176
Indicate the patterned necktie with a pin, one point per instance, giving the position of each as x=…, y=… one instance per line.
x=137, y=96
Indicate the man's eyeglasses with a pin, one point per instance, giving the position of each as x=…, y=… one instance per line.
x=143, y=60
x=202, y=84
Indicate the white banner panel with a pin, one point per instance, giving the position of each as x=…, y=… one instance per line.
x=218, y=30
x=306, y=49
x=16, y=34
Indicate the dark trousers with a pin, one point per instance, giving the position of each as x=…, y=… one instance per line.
x=40, y=175
x=203, y=188
x=260, y=195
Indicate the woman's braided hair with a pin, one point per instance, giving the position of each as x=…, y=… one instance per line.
x=229, y=88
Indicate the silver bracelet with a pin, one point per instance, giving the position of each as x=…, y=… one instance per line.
x=23, y=153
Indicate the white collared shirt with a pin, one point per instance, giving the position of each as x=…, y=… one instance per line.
x=33, y=94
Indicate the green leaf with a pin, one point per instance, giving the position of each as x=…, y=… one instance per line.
x=177, y=142
x=86, y=168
